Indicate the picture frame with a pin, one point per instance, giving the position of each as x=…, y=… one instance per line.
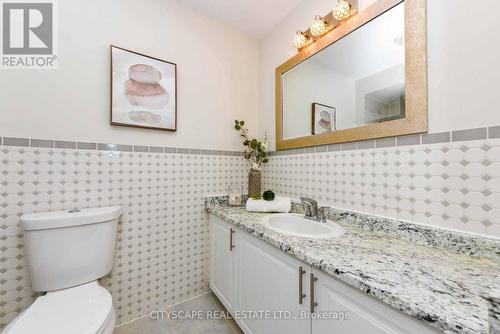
x=324, y=118
x=143, y=91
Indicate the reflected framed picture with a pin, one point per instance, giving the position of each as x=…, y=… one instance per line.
x=323, y=118
x=143, y=91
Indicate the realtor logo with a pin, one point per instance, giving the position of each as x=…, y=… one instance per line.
x=28, y=38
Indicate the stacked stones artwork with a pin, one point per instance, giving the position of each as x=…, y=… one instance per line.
x=144, y=90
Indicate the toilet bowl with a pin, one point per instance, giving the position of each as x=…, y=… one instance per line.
x=67, y=251
x=85, y=309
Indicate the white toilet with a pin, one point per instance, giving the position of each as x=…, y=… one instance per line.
x=67, y=251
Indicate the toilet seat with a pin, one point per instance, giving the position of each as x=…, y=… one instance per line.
x=84, y=309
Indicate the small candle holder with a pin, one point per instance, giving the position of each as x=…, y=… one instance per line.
x=235, y=193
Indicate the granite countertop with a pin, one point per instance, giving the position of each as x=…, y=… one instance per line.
x=448, y=290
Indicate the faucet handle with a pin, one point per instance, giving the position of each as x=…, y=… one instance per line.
x=308, y=208
x=309, y=201
x=311, y=207
x=322, y=214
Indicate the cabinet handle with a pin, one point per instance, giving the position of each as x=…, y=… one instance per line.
x=312, y=303
x=302, y=295
x=231, y=232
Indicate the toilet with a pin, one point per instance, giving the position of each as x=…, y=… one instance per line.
x=67, y=251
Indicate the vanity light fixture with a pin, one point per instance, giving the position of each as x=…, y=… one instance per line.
x=322, y=25
x=342, y=10
x=319, y=26
x=300, y=40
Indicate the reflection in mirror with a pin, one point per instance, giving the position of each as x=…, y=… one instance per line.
x=358, y=80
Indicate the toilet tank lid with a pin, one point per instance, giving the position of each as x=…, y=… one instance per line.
x=68, y=218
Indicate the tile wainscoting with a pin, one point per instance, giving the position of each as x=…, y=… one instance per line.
x=162, y=245
x=447, y=183
x=445, y=179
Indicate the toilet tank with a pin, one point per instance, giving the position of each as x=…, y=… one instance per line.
x=69, y=248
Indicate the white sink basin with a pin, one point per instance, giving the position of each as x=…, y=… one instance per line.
x=297, y=225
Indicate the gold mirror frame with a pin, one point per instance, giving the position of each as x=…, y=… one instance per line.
x=415, y=77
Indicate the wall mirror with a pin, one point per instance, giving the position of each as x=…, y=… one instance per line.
x=365, y=79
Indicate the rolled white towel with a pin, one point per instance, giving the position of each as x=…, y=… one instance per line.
x=279, y=204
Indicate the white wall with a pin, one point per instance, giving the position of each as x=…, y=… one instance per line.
x=217, y=76
x=462, y=62
x=313, y=82
x=390, y=77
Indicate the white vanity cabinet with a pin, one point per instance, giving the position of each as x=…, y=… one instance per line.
x=366, y=314
x=256, y=282
x=223, y=273
x=271, y=281
x=252, y=278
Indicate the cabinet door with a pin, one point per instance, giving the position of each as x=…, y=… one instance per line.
x=366, y=314
x=269, y=282
x=222, y=264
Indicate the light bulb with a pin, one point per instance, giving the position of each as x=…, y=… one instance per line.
x=342, y=10
x=300, y=40
x=319, y=26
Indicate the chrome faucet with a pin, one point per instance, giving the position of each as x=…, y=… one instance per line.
x=312, y=211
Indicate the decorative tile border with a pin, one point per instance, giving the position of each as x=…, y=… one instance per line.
x=494, y=132
x=48, y=143
x=417, y=139
x=407, y=140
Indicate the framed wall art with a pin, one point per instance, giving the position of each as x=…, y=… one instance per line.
x=143, y=91
x=323, y=118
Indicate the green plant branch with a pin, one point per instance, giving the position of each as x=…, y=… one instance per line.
x=255, y=151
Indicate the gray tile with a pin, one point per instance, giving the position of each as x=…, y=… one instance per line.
x=183, y=150
x=408, y=140
x=194, y=151
x=106, y=147
x=124, y=148
x=334, y=148
x=273, y=153
x=494, y=132
x=11, y=141
x=309, y=150
x=138, y=148
x=170, y=149
x=469, y=134
x=385, y=142
x=42, y=143
x=65, y=144
x=322, y=148
x=217, y=152
x=236, y=153
x=349, y=146
x=156, y=149
x=434, y=138
x=300, y=150
x=206, y=152
x=281, y=152
x=366, y=144
x=86, y=146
